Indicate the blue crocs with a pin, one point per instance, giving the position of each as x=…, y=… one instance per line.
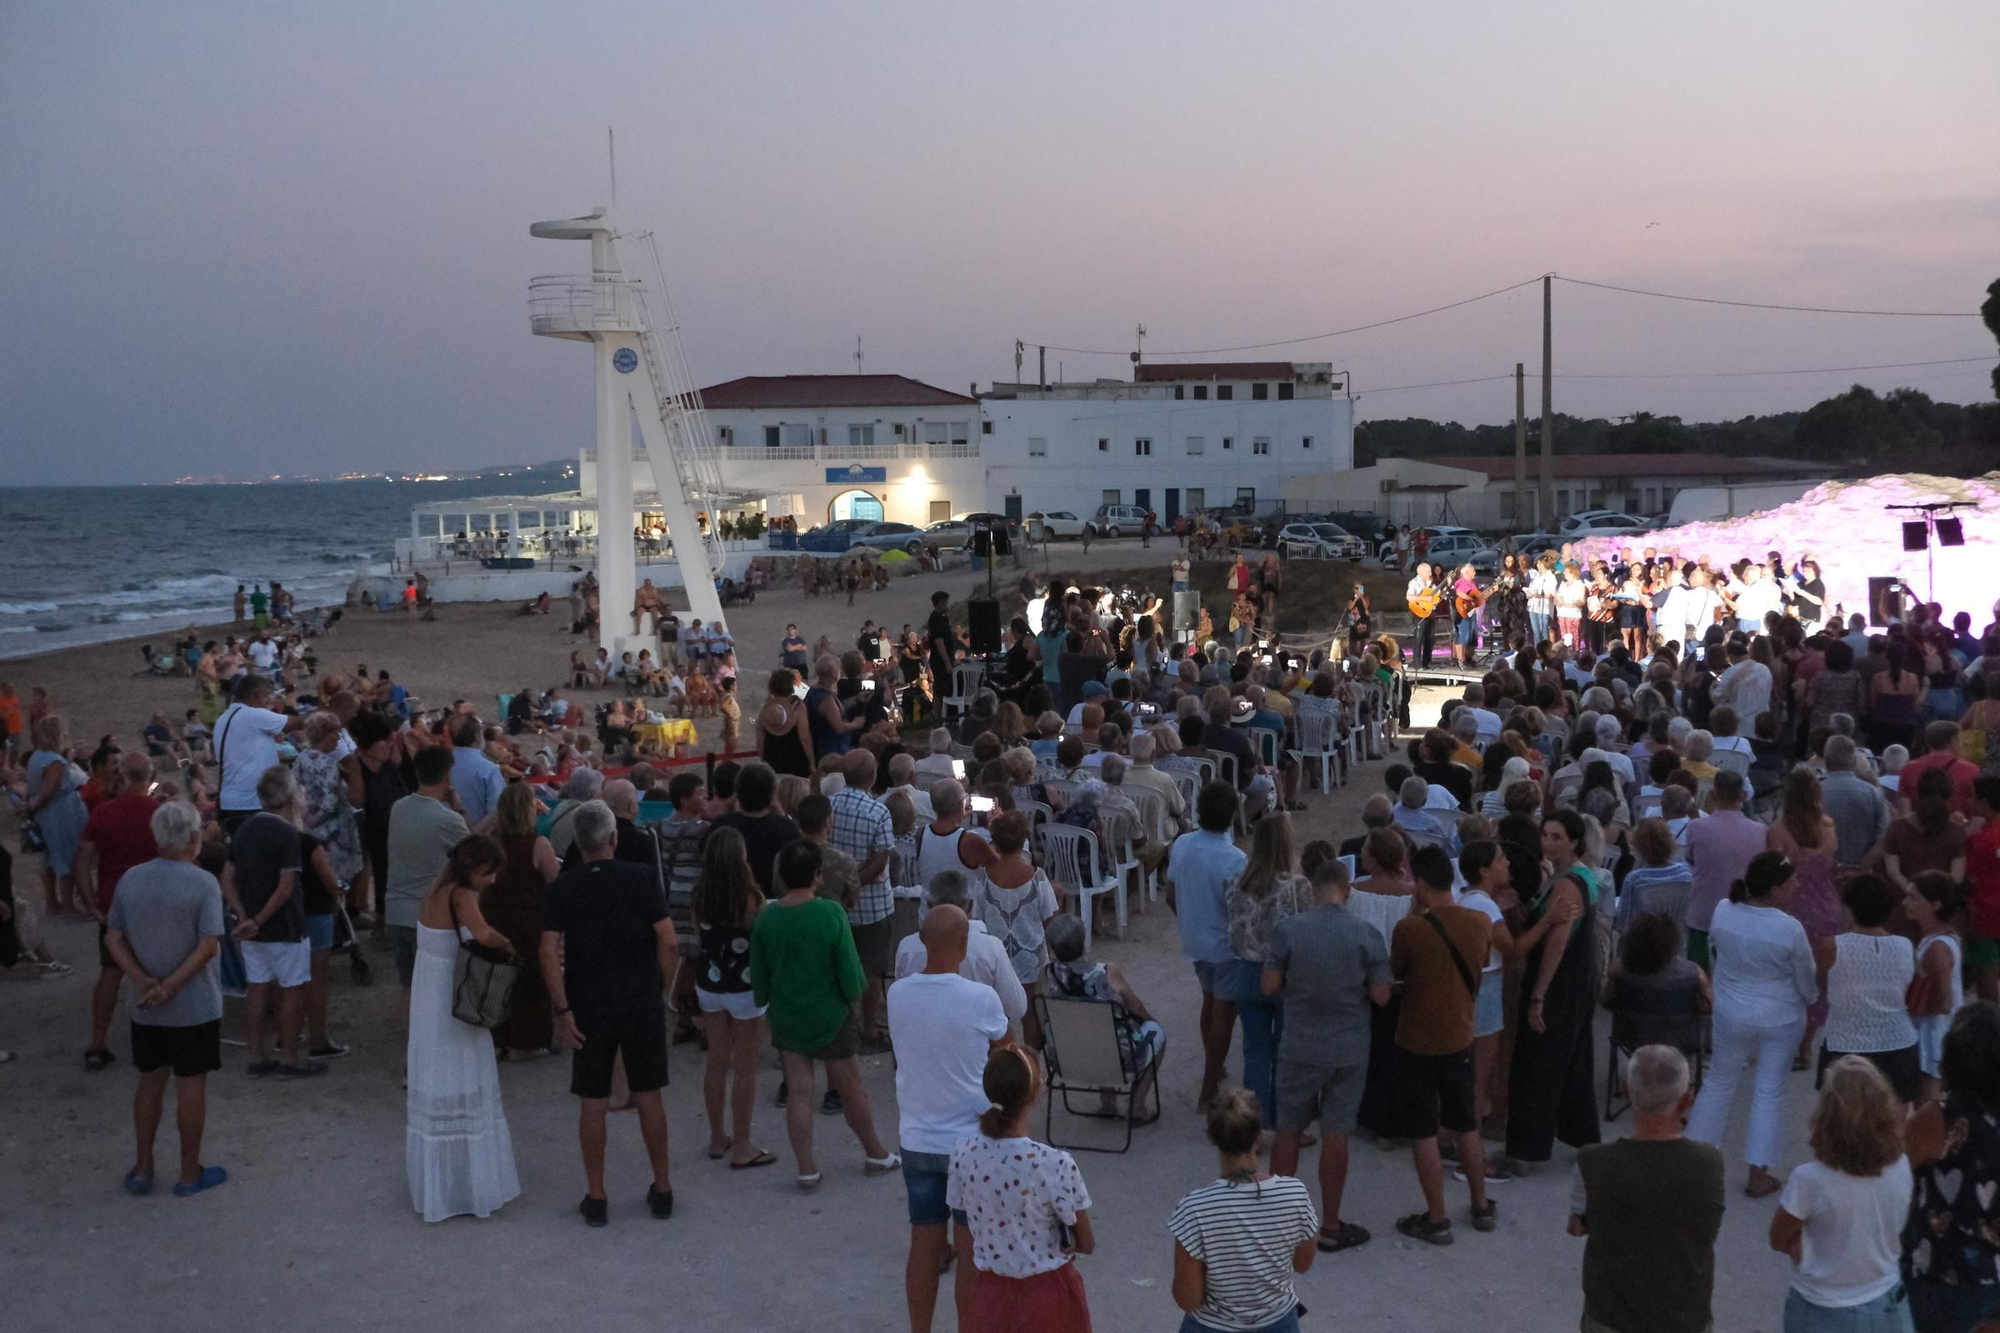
x=211, y=1176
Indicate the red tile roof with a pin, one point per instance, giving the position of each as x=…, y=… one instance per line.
x=753, y=391
x=1500, y=467
x=1213, y=370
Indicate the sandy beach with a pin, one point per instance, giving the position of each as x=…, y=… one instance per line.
x=316, y=1215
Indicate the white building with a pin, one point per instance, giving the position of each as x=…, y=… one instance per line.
x=1175, y=439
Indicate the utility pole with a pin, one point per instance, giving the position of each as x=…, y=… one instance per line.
x=1042, y=366
x=857, y=354
x=1548, y=404
x=1520, y=443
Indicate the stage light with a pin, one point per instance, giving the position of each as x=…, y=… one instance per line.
x=1950, y=532
x=1916, y=536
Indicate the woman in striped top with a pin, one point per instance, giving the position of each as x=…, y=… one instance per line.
x=1239, y=1239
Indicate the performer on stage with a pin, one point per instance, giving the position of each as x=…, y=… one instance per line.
x=1428, y=605
x=1360, y=620
x=1465, y=602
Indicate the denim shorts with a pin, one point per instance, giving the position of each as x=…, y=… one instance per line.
x=319, y=932
x=1286, y=1323
x=925, y=1175
x=1488, y=1015
x=1887, y=1313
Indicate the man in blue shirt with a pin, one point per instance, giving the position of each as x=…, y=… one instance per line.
x=1201, y=868
x=477, y=779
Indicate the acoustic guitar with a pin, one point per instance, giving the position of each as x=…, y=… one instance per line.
x=1468, y=602
x=1425, y=604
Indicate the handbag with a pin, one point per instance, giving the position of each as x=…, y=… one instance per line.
x=482, y=982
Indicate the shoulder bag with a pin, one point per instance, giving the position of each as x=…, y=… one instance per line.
x=1457, y=959
x=482, y=980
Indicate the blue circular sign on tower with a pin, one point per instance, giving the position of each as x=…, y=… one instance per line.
x=625, y=361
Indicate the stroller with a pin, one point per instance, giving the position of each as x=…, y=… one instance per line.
x=347, y=940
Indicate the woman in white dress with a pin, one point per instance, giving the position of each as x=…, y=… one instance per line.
x=456, y=1149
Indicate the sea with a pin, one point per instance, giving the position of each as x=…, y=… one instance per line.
x=85, y=564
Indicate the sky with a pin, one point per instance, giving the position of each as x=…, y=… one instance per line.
x=269, y=237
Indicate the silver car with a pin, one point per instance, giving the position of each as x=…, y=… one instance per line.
x=1319, y=541
x=886, y=536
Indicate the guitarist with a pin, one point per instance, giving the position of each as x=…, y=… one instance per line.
x=1466, y=599
x=1429, y=603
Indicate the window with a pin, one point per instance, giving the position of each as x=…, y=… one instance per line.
x=1038, y=446
x=1509, y=504
x=1195, y=445
x=1111, y=497
x=1103, y=445
x=961, y=432
x=1201, y=391
x=1562, y=502
x=940, y=510
x=1246, y=499
x=934, y=432
x=1228, y=442
x=1260, y=392
x=1652, y=494
x=1666, y=497
x=861, y=435
x=1260, y=444
x=1305, y=442
x=1195, y=499
x=1142, y=448
x=1285, y=393
x=1180, y=391
x=985, y=427
x=1225, y=392
x=771, y=440
x=796, y=437
x=725, y=435
x=899, y=429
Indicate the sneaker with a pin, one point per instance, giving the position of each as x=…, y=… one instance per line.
x=1418, y=1226
x=305, y=1070
x=783, y=1092
x=1497, y=1171
x=1487, y=1218
x=596, y=1212
x=661, y=1202
x=328, y=1051
x=259, y=1068
x=831, y=1103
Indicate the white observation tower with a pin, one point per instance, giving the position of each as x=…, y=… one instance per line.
x=608, y=310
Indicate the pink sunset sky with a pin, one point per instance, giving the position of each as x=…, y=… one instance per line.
x=248, y=239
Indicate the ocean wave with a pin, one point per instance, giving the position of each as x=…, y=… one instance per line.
x=168, y=597
x=26, y=608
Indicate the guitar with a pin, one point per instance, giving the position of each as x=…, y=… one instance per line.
x=1468, y=602
x=1425, y=603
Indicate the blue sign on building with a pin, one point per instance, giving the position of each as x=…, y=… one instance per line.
x=856, y=475
x=624, y=361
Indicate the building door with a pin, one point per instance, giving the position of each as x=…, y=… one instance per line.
x=854, y=504
x=1143, y=497
x=1196, y=499
x=1013, y=508
x=1173, y=503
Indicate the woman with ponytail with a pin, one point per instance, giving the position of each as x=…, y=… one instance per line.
x=1026, y=1208
x=1765, y=977
x=1239, y=1238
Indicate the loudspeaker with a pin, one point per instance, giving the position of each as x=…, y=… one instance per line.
x=1950, y=532
x=982, y=543
x=982, y=623
x=1187, y=611
x=1916, y=535
x=1885, y=598
x=1003, y=544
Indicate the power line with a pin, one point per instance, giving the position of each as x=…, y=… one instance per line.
x=1767, y=305
x=1434, y=384
x=1286, y=342
x=1744, y=374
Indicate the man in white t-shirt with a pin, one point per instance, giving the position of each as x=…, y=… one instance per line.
x=263, y=654
x=943, y=1027
x=246, y=743
x=986, y=960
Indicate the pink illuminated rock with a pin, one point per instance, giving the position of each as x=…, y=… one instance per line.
x=1849, y=529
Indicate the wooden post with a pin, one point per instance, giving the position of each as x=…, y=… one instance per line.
x=1521, y=445
x=1548, y=515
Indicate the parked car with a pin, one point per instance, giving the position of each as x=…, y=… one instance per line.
x=886, y=536
x=1602, y=523
x=1370, y=528
x=949, y=534
x=1530, y=545
x=1318, y=541
x=1448, y=545
x=835, y=536
x=1117, y=520
x=1055, y=525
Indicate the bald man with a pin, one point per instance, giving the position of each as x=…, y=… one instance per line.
x=942, y=1027
x=633, y=843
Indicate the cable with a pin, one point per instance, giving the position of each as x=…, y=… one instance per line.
x=1434, y=384
x=1286, y=342
x=1742, y=374
x=1766, y=305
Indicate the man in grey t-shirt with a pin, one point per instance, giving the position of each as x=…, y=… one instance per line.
x=423, y=828
x=165, y=932
x=1330, y=967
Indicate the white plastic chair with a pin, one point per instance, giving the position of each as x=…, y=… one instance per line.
x=1268, y=743
x=1152, y=809
x=1069, y=857
x=1320, y=742
x=965, y=679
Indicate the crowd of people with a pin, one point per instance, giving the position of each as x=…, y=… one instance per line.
x=1751, y=849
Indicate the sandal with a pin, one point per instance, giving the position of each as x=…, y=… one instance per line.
x=1348, y=1237
x=880, y=1166
x=210, y=1177
x=763, y=1158
x=715, y=1155
x=97, y=1058
x=1418, y=1226
x=1763, y=1188
x=137, y=1185
x=807, y=1184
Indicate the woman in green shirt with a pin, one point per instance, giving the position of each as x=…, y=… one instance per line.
x=804, y=969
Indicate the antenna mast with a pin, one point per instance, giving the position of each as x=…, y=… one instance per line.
x=611, y=149
x=857, y=354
